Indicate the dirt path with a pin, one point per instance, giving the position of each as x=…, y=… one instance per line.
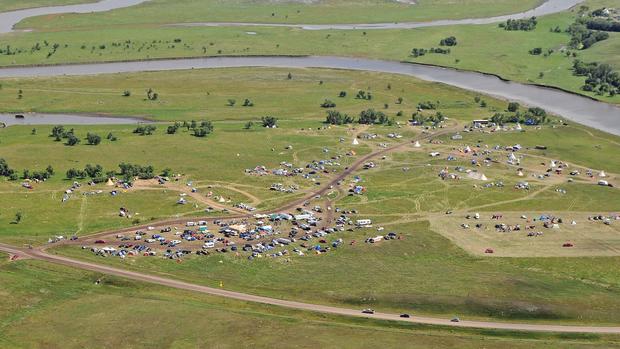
x=41, y=255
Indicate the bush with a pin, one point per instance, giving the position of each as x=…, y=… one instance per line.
x=93, y=139
x=328, y=104
x=269, y=121
x=520, y=24
x=449, y=41
x=536, y=51
x=337, y=118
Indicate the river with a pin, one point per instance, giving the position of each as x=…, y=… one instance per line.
x=577, y=108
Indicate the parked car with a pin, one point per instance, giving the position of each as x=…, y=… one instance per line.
x=405, y=315
x=368, y=311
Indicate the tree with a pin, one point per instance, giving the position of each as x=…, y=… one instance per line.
x=172, y=129
x=328, y=104
x=269, y=121
x=72, y=140
x=167, y=172
x=18, y=217
x=93, y=171
x=248, y=103
x=342, y=94
x=126, y=93
x=289, y=76
x=370, y=116
x=337, y=118
x=205, y=128
x=93, y=139
x=5, y=170
x=248, y=125
x=513, y=106
x=449, y=41
x=231, y=102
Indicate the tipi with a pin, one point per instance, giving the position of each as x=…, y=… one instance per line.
x=355, y=141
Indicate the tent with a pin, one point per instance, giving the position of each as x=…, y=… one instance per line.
x=602, y=174
x=222, y=199
x=518, y=127
x=417, y=144
x=355, y=141
x=512, y=157
x=109, y=182
x=467, y=149
x=520, y=174
x=478, y=176
x=552, y=164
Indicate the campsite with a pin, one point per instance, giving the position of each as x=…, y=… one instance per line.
x=311, y=181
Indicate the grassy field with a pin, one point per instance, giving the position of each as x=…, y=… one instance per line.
x=264, y=11
x=41, y=302
x=205, y=94
x=12, y=5
x=480, y=47
x=467, y=285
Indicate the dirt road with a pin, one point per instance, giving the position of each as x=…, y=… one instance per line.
x=41, y=255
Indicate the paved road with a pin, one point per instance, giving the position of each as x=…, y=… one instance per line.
x=41, y=255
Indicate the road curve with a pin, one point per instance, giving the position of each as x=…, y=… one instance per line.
x=41, y=255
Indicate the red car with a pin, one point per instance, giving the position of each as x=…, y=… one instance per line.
x=568, y=244
x=489, y=250
x=100, y=242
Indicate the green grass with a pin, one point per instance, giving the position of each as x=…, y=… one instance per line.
x=424, y=273
x=40, y=304
x=12, y=5
x=484, y=48
x=204, y=94
x=325, y=11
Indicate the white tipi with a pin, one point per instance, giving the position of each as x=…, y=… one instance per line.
x=518, y=127
x=355, y=141
x=602, y=174
x=417, y=144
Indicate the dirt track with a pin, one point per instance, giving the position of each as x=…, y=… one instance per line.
x=41, y=255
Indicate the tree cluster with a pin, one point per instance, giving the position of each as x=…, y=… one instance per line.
x=527, y=24
x=145, y=130
x=372, y=117
x=269, y=121
x=600, y=77
x=335, y=117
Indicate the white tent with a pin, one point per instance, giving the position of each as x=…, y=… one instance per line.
x=467, y=149
x=222, y=199
x=518, y=127
x=553, y=164
x=520, y=174
x=109, y=182
x=602, y=174
x=417, y=144
x=477, y=175
x=512, y=157
x=355, y=141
